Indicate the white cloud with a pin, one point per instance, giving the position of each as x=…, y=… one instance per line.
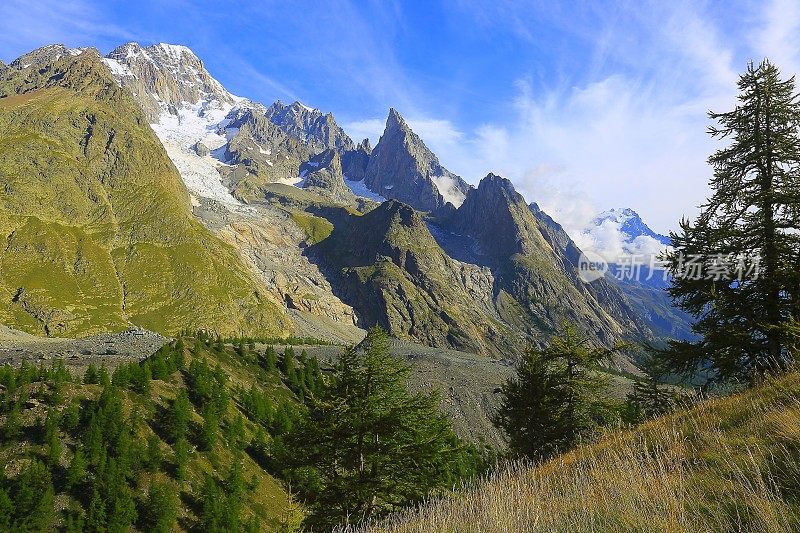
x=370, y=128
x=435, y=132
x=779, y=37
x=635, y=136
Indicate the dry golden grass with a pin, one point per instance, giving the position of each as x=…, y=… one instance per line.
x=731, y=464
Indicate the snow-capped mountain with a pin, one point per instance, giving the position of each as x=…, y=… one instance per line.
x=186, y=107
x=225, y=147
x=229, y=148
x=630, y=223
x=618, y=233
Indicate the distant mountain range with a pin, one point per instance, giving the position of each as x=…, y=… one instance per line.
x=148, y=185
x=621, y=232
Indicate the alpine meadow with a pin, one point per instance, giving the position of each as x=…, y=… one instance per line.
x=427, y=313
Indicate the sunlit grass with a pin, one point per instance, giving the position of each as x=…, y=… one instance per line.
x=731, y=464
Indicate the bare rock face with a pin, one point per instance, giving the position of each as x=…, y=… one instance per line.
x=387, y=265
x=260, y=153
x=323, y=174
x=316, y=130
x=354, y=162
x=164, y=77
x=403, y=168
x=534, y=263
x=270, y=242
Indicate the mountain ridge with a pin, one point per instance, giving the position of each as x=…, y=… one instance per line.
x=98, y=225
x=248, y=167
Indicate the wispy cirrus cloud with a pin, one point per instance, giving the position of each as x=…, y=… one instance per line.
x=630, y=131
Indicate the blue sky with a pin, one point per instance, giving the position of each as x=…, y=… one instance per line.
x=584, y=105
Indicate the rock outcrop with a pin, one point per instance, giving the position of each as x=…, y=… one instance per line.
x=401, y=167
x=316, y=130
x=323, y=174
x=355, y=162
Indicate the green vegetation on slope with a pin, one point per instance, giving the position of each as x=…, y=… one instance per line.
x=223, y=428
x=317, y=229
x=194, y=420
x=97, y=230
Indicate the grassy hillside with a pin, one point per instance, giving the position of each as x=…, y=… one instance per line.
x=123, y=429
x=730, y=464
x=96, y=229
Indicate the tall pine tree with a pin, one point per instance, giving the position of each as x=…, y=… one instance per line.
x=367, y=445
x=749, y=325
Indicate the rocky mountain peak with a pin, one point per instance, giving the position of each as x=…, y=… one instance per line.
x=355, y=162
x=310, y=126
x=365, y=146
x=396, y=121
x=497, y=216
x=45, y=55
x=328, y=159
x=404, y=168
x=494, y=184
x=165, y=77
x=404, y=214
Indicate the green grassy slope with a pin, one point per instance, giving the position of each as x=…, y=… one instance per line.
x=96, y=230
x=731, y=464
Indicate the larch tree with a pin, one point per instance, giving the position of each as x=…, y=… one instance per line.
x=736, y=268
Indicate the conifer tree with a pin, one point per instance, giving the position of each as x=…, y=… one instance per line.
x=153, y=454
x=91, y=375
x=649, y=398
x=210, y=429
x=177, y=417
x=556, y=399
x=270, y=359
x=181, y=458
x=161, y=508
x=367, y=445
x=747, y=304
x=77, y=469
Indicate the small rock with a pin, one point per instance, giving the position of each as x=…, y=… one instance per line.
x=201, y=149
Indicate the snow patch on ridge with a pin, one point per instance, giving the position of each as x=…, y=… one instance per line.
x=117, y=69
x=359, y=188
